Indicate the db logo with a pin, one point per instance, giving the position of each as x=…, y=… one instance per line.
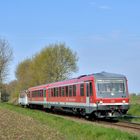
x=112, y=101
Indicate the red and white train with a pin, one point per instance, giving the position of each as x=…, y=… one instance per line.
x=97, y=95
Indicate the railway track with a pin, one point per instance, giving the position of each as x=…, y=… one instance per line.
x=135, y=126
x=123, y=124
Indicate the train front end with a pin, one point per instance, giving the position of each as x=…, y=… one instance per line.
x=112, y=99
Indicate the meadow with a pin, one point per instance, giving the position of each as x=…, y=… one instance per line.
x=134, y=107
x=23, y=123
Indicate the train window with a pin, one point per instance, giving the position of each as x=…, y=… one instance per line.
x=44, y=92
x=67, y=91
x=56, y=92
x=33, y=93
x=63, y=91
x=49, y=92
x=91, y=89
x=82, y=89
x=87, y=89
x=39, y=93
x=52, y=92
x=70, y=91
x=74, y=90
x=60, y=91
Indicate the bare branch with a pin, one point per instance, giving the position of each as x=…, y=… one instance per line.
x=5, y=57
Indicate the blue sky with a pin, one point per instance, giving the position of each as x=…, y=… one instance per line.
x=104, y=33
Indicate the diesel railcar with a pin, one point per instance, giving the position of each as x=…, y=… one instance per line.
x=101, y=95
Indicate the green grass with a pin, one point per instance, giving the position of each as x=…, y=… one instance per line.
x=72, y=130
x=134, y=111
x=135, y=99
x=134, y=107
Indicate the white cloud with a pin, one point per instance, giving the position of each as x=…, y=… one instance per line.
x=104, y=7
x=99, y=6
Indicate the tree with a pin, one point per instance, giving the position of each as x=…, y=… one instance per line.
x=54, y=63
x=4, y=93
x=23, y=74
x=5, y=58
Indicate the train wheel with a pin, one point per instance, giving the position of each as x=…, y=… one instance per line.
x=83, y=112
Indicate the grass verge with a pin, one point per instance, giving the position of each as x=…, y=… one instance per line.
x=71, y=130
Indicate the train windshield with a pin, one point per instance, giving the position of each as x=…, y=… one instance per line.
x=111, y=87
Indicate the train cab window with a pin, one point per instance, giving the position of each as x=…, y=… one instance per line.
x=74, y=90
x=91, y=89
x=82, y=89
x=67, y=91
x=70, y=91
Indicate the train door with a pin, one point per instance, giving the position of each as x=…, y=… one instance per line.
x=87, y=94
x=44, y=94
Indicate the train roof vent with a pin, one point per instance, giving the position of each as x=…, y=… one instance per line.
x=81, y=76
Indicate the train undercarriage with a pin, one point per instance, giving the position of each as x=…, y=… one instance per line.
x=87, y=112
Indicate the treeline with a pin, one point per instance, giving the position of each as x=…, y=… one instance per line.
x=6, y=56
x=53, y=63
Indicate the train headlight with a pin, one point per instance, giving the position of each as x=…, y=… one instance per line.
x=124, y=101
x=101, y=102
